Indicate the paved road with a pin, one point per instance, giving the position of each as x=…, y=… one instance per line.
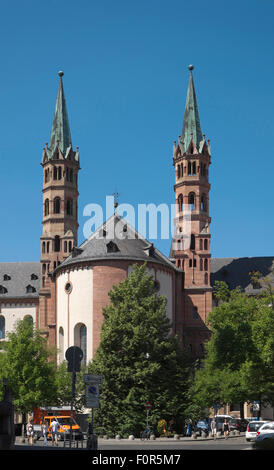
x=233, y=443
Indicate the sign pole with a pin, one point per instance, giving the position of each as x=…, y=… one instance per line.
x=71, y=405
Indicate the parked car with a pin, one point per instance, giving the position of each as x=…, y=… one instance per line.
x=266, y=428
x=238, y=424
x=202, y=426
x=252, y=428
x=264, y=441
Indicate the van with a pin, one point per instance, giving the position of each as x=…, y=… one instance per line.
x=64, y=430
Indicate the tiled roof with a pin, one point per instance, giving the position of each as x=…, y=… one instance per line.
x=20, y=275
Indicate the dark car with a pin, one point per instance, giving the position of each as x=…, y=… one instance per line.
x=238, y=424
x=202, y=426
x=264, y=441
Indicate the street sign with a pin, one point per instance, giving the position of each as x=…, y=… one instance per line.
x=92, y=395
x=93, y=379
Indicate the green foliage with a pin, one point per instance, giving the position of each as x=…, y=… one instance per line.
x=64, y=387
x=26, y=364
x=239, y=364
x=139, y=359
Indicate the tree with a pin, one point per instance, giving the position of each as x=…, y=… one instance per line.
x=64, y=387
x=139, y=359
x=26, y=364
x=239, y=361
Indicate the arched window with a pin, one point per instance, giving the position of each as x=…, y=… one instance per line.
x=194, y=168
x=80, y=339
x=203, y=203
x=201, y=264
x=55, y=173
x=189, y=168
x=43, y=247
x=65, y=246
x=57, y=243
x=71, y=175
x=206, y=264
x=59, y=172
x=201, y=244
x=2, y=327
x=56, y=205
x=48, y=247
x=191, y=201
x=178, y=171
x=206, y=244
x=29, y=319
x=46, y=210
x=180, y=202
x=61, y=344
x=70, y=247
x=69, y=207
x=192, y=242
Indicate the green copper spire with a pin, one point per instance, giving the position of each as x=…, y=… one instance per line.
x=60, y=132
x=191, y=125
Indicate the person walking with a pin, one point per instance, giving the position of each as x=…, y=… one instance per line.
x=226, y=429
x=213, y=427
x=45, y=430
x=30, y=432
x=54, y=432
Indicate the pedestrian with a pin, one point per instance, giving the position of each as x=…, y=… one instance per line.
x=54, y=431
x=226, y=429
x=213, y=427
x=30, y=432
x=45, y=430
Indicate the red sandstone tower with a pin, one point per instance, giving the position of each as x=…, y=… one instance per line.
x=60, y=209
x=191, y=246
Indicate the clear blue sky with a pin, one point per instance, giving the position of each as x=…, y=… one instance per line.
x=126, y=74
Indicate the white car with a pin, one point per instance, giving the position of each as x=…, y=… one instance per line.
x=252, y=428
x=266, y=428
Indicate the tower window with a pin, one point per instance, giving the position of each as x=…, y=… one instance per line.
x=43, y=247
x=189, y=168
x=206, y=264
x=112, y=247
x=194, y=263
x=46, y=210
x=178, y=171
x=194, y=168
x=57, y=243
x=190, y=263
x=203, y=203
x=206, y=244
x=192, y=242
x=7, y=277
x=180, y=202
x=59, y=172
x=56, y=205
x=55, y=173
x=191, y=201
x=69, y=207
x=201, y=264
x=65, y=246
x=206, y=279
x=48, y=247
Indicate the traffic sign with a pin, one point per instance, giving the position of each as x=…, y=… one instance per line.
x=148, y=405
x=92, y=395
x=93, y=379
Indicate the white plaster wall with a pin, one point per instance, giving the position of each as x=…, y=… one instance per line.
x=165, y=280
x=15, y=312
x=76, y=307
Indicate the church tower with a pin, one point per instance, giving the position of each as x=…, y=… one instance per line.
x=191, y=245
x=60, y=165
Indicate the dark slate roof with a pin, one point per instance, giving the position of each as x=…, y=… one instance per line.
x=20, y=278
x=126, y=244
x=236, y=271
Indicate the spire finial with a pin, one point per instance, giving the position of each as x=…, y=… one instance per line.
x=190, y=67
x=61, y=73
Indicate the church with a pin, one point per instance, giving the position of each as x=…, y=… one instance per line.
x=64, y=293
